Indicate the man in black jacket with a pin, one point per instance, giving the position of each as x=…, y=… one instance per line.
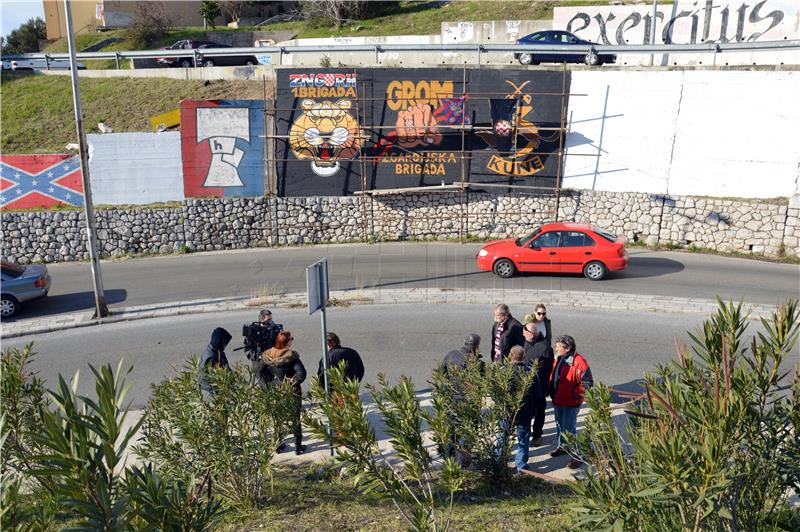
x=213, y=356
x=354, y=367
x=539, y=353
x=506, y=333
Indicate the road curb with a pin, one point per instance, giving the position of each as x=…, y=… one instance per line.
x=562, y=299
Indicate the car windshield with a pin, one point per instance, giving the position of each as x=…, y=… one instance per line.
x=11, y=269
x=605, y=234
x=521, y=240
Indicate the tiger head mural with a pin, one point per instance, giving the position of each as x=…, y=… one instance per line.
x=325, y=133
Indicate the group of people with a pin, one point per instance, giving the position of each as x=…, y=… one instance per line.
x=276, y=364
x=560, y=371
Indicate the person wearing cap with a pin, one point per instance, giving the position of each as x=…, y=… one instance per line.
x=457, y=360
x=570, y=379
x=458, y=357
x=542, y=322
x=506, y=333
x=538, y=353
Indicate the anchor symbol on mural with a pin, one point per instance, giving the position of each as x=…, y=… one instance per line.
x=222, y=127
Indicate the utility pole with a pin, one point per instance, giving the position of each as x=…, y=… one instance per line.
x=101, y=310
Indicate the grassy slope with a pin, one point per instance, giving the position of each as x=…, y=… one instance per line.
x=37, y=116
x=311, y=498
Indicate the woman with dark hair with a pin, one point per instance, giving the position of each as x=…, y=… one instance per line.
x=282, y=363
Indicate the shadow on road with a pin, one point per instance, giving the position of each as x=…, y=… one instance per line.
x=68, y=303
x=639, y=267
x=402, y=282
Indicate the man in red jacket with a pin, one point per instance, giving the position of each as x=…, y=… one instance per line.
x=569, y=380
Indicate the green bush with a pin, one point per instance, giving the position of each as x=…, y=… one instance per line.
x=480, y=404
x=22, y=398
x=713, y=446
x=422, y=486
x=234, y=436
x=160, y=503
x=83, y=447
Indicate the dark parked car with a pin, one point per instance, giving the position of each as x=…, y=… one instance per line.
x=184, y=44
x=20, y=284
x=224, y=60
x=560, y=38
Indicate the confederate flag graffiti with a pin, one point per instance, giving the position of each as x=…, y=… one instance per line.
x=32, y=181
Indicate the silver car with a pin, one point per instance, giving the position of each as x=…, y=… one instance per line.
x=20, y=284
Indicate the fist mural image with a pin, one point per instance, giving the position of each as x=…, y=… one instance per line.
x=416, y=126
x=325, y=133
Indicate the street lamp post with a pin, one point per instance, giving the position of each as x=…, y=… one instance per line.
x=101, y=309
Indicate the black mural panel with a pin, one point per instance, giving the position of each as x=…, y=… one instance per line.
x=341, y=131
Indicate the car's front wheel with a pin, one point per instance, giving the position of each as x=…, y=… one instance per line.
x=185, y=63
x=595, y=270
x=504, y=268
x=250, y=62
x=8, y=306
x=208, y=63
x=592, y=59
x=526, y=59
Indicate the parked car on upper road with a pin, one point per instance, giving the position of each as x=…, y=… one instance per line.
x=556, y=248
x=560, y=38
x=184, y=44
x=21, y=283
x=224, y=60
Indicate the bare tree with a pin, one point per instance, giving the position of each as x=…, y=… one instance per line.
x=338, y=12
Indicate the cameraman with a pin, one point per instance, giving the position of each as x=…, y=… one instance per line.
x=262, y=334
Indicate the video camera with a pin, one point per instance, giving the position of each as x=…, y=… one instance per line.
x=258, y=337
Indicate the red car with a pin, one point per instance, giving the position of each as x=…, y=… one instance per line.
x=556, y=248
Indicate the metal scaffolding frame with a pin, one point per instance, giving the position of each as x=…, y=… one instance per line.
x=462, y=187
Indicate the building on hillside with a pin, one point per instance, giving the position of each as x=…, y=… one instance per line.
x=88, y=15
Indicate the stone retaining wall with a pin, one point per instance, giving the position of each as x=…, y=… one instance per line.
x=757, y=227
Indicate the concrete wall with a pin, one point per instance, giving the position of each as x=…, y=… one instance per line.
x=758, y=228
x=135, y=168
x=685, y=22
x=714, y=133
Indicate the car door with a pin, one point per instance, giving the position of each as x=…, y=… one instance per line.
x=565, y=39
x=539, y=254
x=575, y=249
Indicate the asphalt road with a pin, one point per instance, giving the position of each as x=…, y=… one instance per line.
x=394, y=339
x=447, y=265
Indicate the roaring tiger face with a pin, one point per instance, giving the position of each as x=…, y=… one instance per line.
x=325, y=133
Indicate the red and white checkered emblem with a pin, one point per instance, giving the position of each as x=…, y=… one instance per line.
x=502, y=128
x=327, y=79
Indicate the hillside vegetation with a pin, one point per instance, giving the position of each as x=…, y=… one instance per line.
x=37, y=114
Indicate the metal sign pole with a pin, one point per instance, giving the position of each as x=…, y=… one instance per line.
x=101, y=310
x=317, y=287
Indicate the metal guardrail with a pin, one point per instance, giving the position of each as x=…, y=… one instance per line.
x=479, y=49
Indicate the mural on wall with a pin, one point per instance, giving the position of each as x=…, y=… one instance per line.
x=387, y=128
x=40, y=181
x=222, y=145
x=684, y=22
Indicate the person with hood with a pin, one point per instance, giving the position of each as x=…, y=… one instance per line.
x=569, y=381
x=213, y=356
x=538, y=353
x=279, y=364
x=506, y=333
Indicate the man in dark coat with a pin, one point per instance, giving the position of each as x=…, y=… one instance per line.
x=457, y=359
x=538, y=353
x=506, y=333
x=353, y=366
x=213, y=356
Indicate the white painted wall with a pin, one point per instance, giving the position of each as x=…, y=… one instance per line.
x=135, y=168
x=712, y=133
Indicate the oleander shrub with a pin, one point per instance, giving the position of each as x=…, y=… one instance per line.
x=480, y=403
x=233, y=437
x=713, y=445
x=421, y=483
